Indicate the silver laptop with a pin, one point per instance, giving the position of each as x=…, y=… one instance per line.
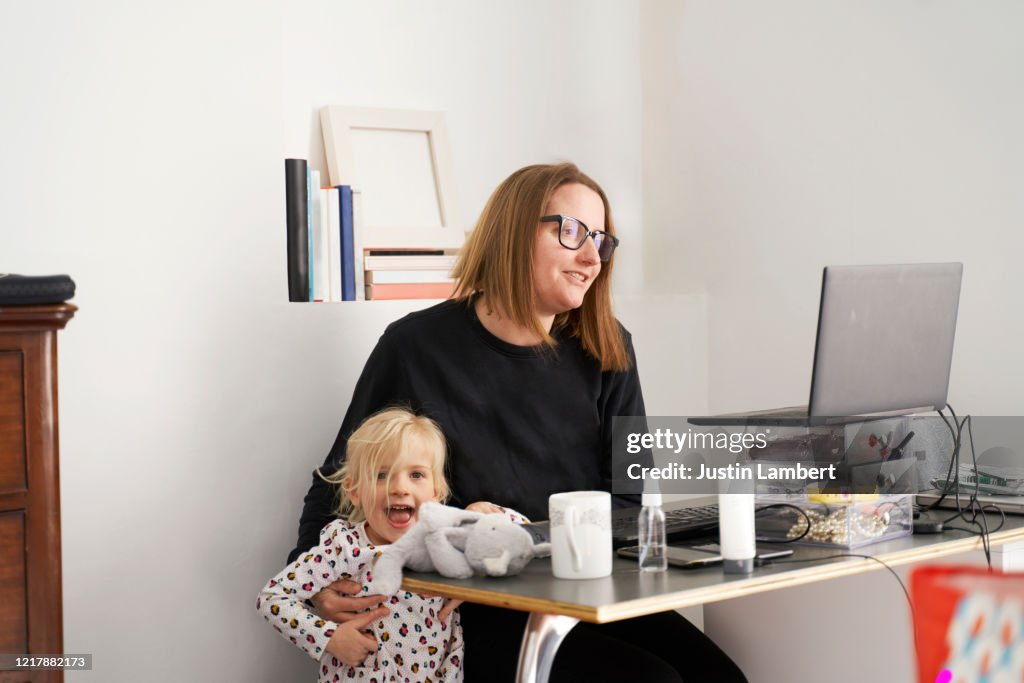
x=884, y=345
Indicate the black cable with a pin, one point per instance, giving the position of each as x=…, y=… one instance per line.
x=1002, y=515
x=906, y=593
x=986, y=542
x=952, y=475
x=959, y=444
x=974, y=513
x=972, y=531
x=952, y=482
x=799, y=509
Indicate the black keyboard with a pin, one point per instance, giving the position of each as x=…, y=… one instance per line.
x=680, y=523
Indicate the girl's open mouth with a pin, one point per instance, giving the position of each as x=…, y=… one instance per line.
x=400, y=515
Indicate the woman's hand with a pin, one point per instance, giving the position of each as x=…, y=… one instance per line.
x=349, y=643
x=486, y=508
x=335, y=603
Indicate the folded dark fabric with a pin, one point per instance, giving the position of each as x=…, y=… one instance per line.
x=24, y=290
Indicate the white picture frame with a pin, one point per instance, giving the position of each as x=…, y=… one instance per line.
x=399, y=161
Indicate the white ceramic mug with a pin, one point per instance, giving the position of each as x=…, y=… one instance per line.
x=581, y=534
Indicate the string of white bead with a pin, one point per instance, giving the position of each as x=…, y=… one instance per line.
x=839, y=528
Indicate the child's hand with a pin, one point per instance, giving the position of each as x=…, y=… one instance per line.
x=349, y=643
x=450, y=605
x=486, y=508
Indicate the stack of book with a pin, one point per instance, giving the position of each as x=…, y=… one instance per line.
x=324, y=251
x=408, y=274
x=327, y=258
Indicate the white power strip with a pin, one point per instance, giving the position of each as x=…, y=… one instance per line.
x=1009, y=557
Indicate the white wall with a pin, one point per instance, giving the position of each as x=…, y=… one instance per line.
x=791, y=135
x=743, y=147
x=806, y=134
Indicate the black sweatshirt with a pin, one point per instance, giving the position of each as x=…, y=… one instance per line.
x=521, y=422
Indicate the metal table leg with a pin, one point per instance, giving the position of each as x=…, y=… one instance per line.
x=544, y=633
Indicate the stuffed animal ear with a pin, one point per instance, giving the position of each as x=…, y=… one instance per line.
x=455, y=535
x=437, y=516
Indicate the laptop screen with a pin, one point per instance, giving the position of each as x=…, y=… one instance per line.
x=885, y=339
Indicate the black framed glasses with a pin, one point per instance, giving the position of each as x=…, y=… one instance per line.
x=573, y=233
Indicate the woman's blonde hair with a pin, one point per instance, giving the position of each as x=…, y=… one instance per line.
x=390, y=431
x=497, y=260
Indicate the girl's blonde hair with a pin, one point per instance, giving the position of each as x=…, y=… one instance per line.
x=498, y=261
x=390, y=431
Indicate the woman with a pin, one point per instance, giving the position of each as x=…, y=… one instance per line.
x=524, y=370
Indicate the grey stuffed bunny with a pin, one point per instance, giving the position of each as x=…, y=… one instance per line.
x=456, y=543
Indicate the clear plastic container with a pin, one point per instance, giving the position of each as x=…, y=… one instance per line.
x=835, y=521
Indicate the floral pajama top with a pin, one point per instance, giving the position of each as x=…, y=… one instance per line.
x=412, y=644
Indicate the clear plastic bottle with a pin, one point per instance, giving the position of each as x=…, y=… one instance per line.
x=652, y=535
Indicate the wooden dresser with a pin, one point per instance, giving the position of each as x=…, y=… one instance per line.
x=31, y=618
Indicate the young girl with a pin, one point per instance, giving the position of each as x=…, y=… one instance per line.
x=394, y=463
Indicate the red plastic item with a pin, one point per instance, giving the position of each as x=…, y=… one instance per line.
x=969, y=623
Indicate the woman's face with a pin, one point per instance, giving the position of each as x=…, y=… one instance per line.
x=561, y=277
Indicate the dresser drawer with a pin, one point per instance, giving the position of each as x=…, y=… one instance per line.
x=13, y=476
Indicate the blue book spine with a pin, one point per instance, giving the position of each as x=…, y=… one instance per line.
x=348, y=257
